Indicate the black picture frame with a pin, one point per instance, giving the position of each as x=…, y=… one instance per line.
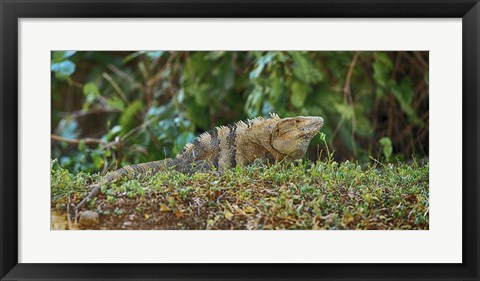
x=11, y=11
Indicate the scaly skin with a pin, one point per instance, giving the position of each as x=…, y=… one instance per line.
x=266, y=140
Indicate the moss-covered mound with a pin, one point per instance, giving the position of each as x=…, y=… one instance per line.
x=301, y=195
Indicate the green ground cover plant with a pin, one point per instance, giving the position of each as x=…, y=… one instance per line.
x=300, y=195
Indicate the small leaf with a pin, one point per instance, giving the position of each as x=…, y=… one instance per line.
x=386, y=144
x=164, y=208
x=228, y=215
x=171, y=201
x=64, y=68
x=90, y=91
x=178, y=213
x=114, y=131
x=348, y=218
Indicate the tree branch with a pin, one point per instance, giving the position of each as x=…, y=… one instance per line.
x=77, y=141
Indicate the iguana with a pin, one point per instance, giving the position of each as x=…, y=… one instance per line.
x=264, y=140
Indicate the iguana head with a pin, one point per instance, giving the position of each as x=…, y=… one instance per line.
x=291, y=136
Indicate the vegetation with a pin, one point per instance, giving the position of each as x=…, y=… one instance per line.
x=111, y=109
x=302, y=195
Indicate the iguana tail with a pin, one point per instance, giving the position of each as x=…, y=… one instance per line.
x=129, y=172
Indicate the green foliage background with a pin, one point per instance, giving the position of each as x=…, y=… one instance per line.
x=115, y=108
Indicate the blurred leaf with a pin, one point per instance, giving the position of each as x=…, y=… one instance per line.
x=201, y=94
x=98, y=160
x=90, y=89
x=128, y=117
x=404, y=95
x=167, y=128
x=254, y=102
x=82, y=146
x=304, y=69
x=298, y=94
x=345, y=110
x=112, y=132
x=91, y=92
x=154, y=54
x=267, y=108
x=261, y=63
x=58, y=56
x=164, y=208
x=387, y=148
x=143, y=69
x=363, y=126
x=63, y=68
x=161, y=112
x=182, y=140
x=382, y=68
x=198, y=115
x=196, y=68
x=116, y=102
x=68, y=128
x=277, y=88
x=228, y=215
